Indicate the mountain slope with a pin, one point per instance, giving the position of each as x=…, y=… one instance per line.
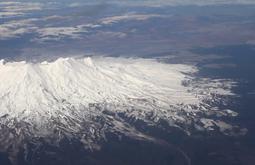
x=86, y=98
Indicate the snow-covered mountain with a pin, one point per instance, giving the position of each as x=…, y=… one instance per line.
x=47, y=87
x=88, y=97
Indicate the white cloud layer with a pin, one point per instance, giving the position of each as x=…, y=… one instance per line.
x=10, y=9
x=13, y=29
x=128, y=17
x=55, y=33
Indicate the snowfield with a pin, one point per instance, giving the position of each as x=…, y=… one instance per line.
x=83, y=99
x=27, y=88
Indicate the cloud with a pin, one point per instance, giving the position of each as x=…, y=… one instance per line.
x=138, y=17
x=13, y=29
x=16, y=28
x=56, y=33
x=74, y=32
x=75, y=4
x=54, y=17
x=10, y=9
x=18, y=7
x=110, y=34
x=6, y=14
x=43, y=32
x=8, y=3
